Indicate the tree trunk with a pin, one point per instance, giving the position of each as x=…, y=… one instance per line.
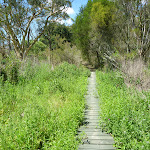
x=29, y=37
x=128, y=38
x=100, y=60
x=9, y=43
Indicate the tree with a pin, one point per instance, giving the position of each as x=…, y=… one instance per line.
x=93, y=29
x=143, y=24
x=103, y=26
x=81, y=30
x=101, y=33
x=38, y=46
x=132, y=25
x=18, y=16
x=52, y=30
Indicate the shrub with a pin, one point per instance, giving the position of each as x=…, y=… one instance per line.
x=38, y=47
x=10, y=68
x=124, y=112
x=43, y=111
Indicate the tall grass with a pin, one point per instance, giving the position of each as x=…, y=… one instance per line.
x=125, y=112
x=44, y=109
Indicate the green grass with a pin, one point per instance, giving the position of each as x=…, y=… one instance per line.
x=44, y=109
x=125, y=112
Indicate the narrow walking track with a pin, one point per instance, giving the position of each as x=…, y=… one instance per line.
x=92, y=136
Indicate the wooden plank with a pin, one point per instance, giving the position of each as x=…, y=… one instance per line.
x=91, y=123
x=93, y=137
x=94, y=112
x=92, y=119
x=95, y=147
x=91, y=132
x=89, y=127
x=99, y=142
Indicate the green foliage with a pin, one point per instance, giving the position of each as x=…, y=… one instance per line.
x=38, y=47
x=93, y=30
x=18, y=18
x=64, y=32
x=68, y=54
x=10, y=67
x=125, y=112
x=45, y=108
x=99, y=14
x=54, y=32
x=102, y=15
x=81, y=29
x=102, y=22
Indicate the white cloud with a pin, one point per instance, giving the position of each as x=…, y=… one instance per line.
x=69, y=22
x=70, y=11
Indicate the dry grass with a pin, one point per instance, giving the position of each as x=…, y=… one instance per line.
x=67, y=53
x=137, y=74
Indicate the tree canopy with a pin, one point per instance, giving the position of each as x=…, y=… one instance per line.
x=17, y=17
x=93, y=27
x=105, y=26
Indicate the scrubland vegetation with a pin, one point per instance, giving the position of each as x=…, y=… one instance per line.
x=42, y=98
x=124, y=112
x=44, y=108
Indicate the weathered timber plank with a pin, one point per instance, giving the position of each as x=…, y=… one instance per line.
x=93, y=137
x=99, y=142
x=93, y=147
x=91, y=132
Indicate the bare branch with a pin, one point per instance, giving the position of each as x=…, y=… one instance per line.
x=28, y=25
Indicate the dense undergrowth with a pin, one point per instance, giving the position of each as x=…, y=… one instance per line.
x=125, y=112
x=44, y=109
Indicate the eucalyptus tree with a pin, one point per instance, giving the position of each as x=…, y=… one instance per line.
x=81, y=29
x=19, y=16
x=93, y=29
x=101, y=33
x=143, y=25
x=52, y=31
x=133, y=25
x=124, y=20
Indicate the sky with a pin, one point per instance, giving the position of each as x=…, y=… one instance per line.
x=72, y=12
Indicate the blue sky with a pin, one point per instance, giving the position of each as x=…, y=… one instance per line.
x=75, y=9
x=76, y=6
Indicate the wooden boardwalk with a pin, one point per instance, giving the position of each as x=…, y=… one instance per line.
x=92, y=136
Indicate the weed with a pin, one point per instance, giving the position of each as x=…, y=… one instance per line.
x=44, y=109
x=125, y=112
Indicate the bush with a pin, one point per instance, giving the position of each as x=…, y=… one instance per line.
x=10, y=68
x=45, y=108
x=38, y=47
x=3, y=75
x=125, y=112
